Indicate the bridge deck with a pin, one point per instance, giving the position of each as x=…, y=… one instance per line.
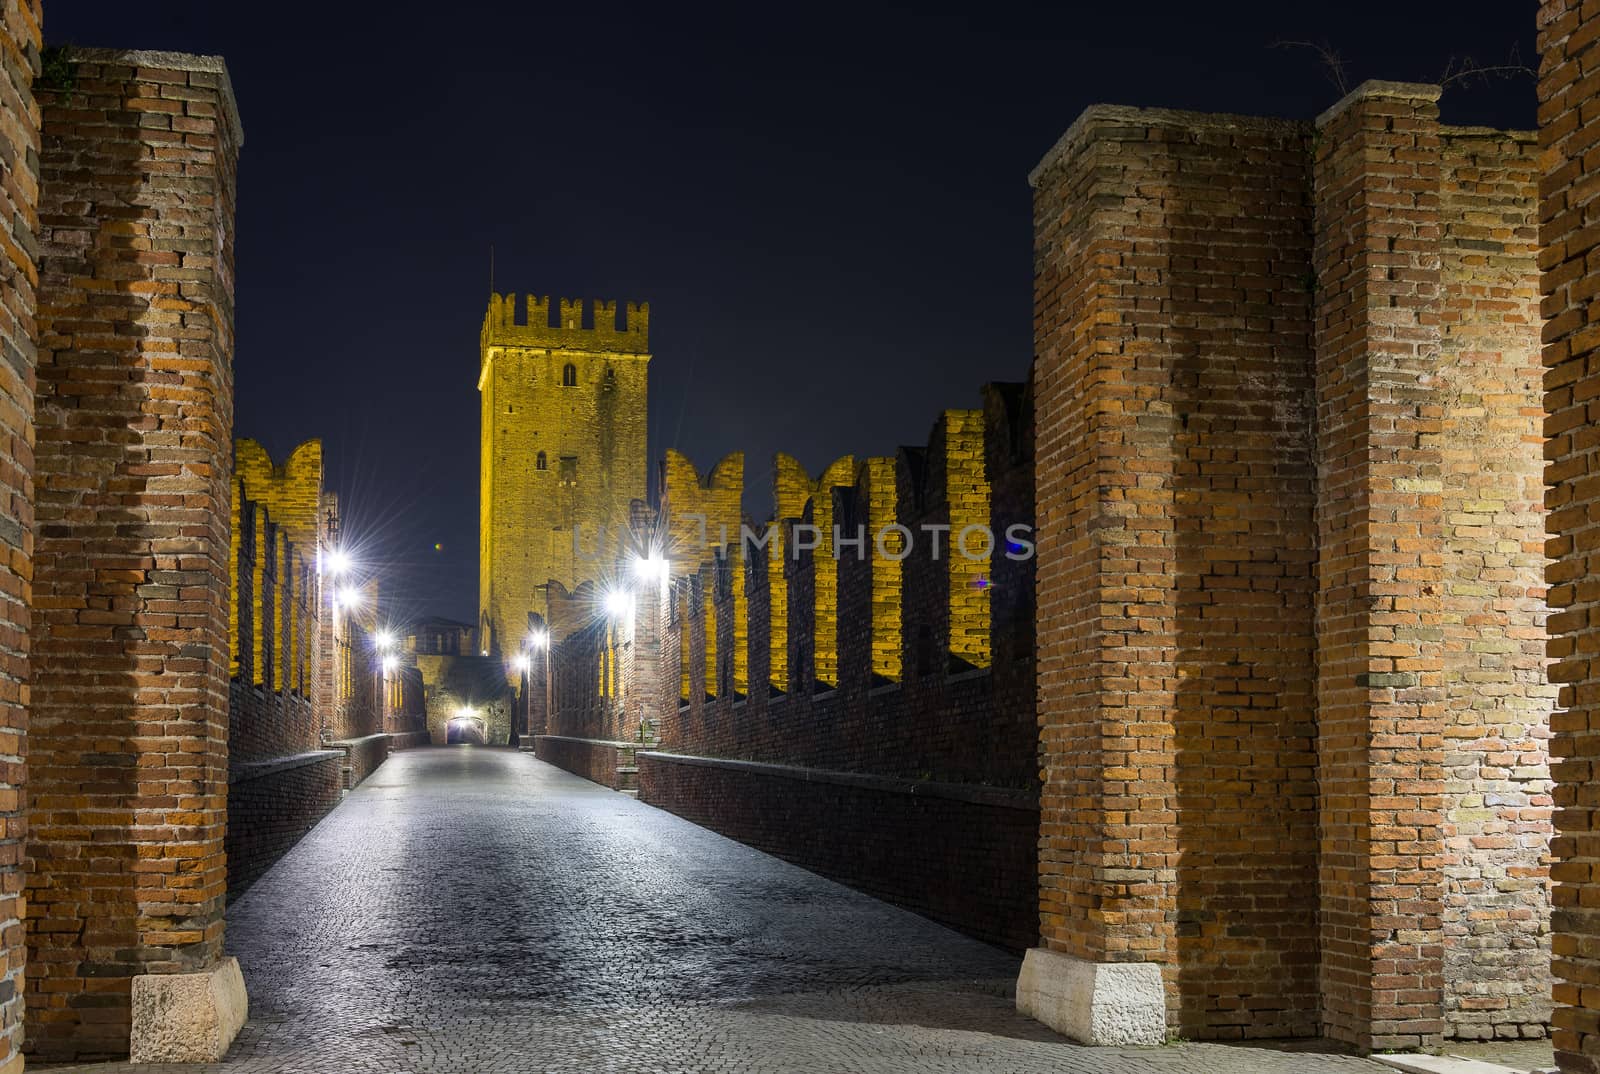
x=476, y=910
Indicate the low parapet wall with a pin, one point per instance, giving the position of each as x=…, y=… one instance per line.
x=409, y=740
x=272, y=805
x=593, y=759
x=362, y=756
x=961, y=854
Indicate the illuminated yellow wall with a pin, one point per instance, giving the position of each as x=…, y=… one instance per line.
x=685, y=500
x=792, y=487
x=291, y=493
x=289, y=496
x=876, y=479
x=967, y=493
x=527, y=515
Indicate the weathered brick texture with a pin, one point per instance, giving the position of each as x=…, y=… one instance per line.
x=1380, y=658
x=1288, y=553
x=19, y=278
x=1175, y=576
x=130, y=631
x=1497, y=800
x=1569, y=127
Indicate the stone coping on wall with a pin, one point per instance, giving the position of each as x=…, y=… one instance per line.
x=352, y=743
x=976, y=794
x=1097, y=115
x=158, y=60
x=406, y=740
x=1377, y=88
x=243, y=773
x=620, y=744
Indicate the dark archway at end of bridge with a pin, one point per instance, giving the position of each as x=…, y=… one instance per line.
x=467, y=730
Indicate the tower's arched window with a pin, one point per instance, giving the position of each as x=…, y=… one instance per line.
x=569, y=376
x=540, y=462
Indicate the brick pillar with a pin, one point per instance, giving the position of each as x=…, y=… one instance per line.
x=19, y=221
x=1106, y=607
x=1380, y=661
x=1175, y=577
x=1569, y=38
x=130, y=683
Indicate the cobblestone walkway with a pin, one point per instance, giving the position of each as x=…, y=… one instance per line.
x=471, y=911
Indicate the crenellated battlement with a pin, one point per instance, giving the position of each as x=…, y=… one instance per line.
x=529, y=323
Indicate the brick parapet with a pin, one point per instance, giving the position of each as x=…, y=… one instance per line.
x=132, y=571
x=953, y=725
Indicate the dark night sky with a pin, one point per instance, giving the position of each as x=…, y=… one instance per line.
x=826, y=207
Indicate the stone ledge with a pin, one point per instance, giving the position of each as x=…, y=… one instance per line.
x=1378, y=89
x=243, y=773
x=1094, y=1002
x=187, y=1017
x=174, y=61
x=977, y=794
x=1127, y=116
x=352, y=743
x=590, y=741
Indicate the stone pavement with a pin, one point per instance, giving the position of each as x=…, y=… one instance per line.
x=471, y=910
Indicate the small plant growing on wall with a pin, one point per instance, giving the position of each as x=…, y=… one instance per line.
x=58, y=70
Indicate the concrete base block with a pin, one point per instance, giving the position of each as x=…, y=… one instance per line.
x=1094, y=1002
x=187, y=1017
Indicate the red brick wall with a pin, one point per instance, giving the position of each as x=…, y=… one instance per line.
x=19, y=222
x=1176, y=551
x=592, y=759
x=1569, y=39
x=1497, y=703
x=271, y=806
x=1380, y=673
x=1289, y=599
x=128, y=756
x=966, y=859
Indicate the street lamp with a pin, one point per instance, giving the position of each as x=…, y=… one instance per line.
x=339, y=562
x=652, y=568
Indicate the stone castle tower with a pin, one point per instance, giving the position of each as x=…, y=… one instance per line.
x=563, y=425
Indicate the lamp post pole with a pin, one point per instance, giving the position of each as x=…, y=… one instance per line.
x=549, y=684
